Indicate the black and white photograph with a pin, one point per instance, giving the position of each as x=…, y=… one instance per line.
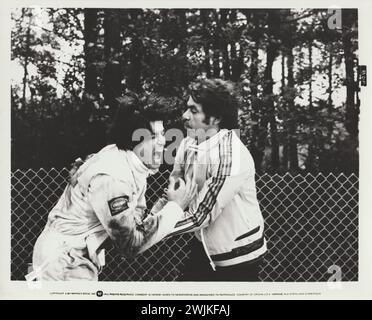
x=185, y=144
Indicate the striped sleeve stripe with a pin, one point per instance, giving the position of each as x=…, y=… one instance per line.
x=213, y=187
x=206, y=206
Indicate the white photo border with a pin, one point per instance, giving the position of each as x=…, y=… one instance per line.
x=361, y=289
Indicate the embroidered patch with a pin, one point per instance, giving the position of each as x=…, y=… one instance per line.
x=118, y=204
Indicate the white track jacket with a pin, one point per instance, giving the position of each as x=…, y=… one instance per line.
x=225, y=215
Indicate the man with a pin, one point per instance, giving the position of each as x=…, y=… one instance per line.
x=225, y=214
x=106, y=198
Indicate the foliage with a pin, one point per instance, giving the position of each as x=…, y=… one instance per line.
x=75, y=62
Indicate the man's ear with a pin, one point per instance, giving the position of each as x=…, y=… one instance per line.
x=215, y=121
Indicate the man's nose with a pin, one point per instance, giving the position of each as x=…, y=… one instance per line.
x=186, y=115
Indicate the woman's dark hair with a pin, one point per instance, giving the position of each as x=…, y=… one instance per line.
x=135, y=113
x=218, y=99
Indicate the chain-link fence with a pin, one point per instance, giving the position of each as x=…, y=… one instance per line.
x=311, y=225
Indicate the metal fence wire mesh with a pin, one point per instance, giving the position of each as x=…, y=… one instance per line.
x=311, y=225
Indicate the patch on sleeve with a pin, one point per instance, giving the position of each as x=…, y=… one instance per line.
x=118, y=204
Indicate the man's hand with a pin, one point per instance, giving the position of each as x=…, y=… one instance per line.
x=180, y=192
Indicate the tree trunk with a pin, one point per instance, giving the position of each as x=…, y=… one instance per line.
x=134, y=80
x=182, y=31
x=258, y=142
x=259, y=131
x=293, y=153
x=207, y=61
x=216, y=60
x=224, y=46
x=240, y=65
x=234, y=64
x=91, y=92
x=90, y=40
x=181, y=41
x=216, y=47
x=207, y=64
x=284, y=162
x=134, y=77
x=226, y=62
x=27, y=56
x=349, y=18
x=112, y=75
x=330, y=88
x=311, y=74
x=272, y=52
x=312, y=141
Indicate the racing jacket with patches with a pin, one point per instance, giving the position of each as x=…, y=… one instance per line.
x=226, y=214
x=108, y=200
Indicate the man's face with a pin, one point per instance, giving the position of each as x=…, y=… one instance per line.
x=194, y=117
x=151, y=149
x=196, y=123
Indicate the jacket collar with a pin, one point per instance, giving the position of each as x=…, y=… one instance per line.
x=209, y=143
x=137, y=165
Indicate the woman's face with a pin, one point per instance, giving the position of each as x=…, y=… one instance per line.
x=151, y=149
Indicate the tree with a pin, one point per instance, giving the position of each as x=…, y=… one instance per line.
x=273, y=19
x=66, y=105
x=90, y=43
x=112, y=76
x=136, y=52
x=349, y=22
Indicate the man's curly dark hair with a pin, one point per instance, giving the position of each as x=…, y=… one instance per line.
x=218, y=99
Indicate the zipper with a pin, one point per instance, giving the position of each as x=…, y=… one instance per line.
x=206, y=250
